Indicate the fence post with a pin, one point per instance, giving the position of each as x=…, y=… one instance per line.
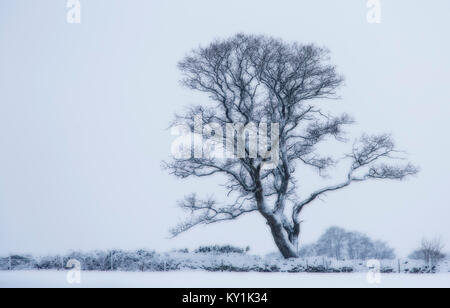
x=10, y=263
x=399, y=268
x=112, y=261
x=164, y=265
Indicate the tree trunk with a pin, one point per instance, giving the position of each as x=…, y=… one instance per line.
x=280, y=235
x=285, y=242
x=294, y=235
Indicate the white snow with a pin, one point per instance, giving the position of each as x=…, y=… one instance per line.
x=200, y=279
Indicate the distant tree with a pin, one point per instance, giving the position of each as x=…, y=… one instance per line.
x=382, y=251
x=353, y=239
x=430, y=251
x=252, y=80
x=339, y=244
x=359, y=246
x=307, y=251
x=332, y=243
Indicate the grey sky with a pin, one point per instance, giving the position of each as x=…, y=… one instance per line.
x=84, y=110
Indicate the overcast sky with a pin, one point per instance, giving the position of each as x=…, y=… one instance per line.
x=84, y=110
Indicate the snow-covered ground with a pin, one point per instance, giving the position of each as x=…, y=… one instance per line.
x=200, y=279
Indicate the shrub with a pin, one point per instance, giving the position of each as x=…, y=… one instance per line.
x=225, y=249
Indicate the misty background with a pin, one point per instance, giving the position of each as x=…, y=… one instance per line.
x=84, y=112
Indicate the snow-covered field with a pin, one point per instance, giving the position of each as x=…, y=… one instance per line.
x=200, y=279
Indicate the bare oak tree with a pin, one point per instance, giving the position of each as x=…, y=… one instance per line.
x=259, y=79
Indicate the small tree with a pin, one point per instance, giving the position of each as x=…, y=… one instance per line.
x=430, y=251
x=251, y=81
